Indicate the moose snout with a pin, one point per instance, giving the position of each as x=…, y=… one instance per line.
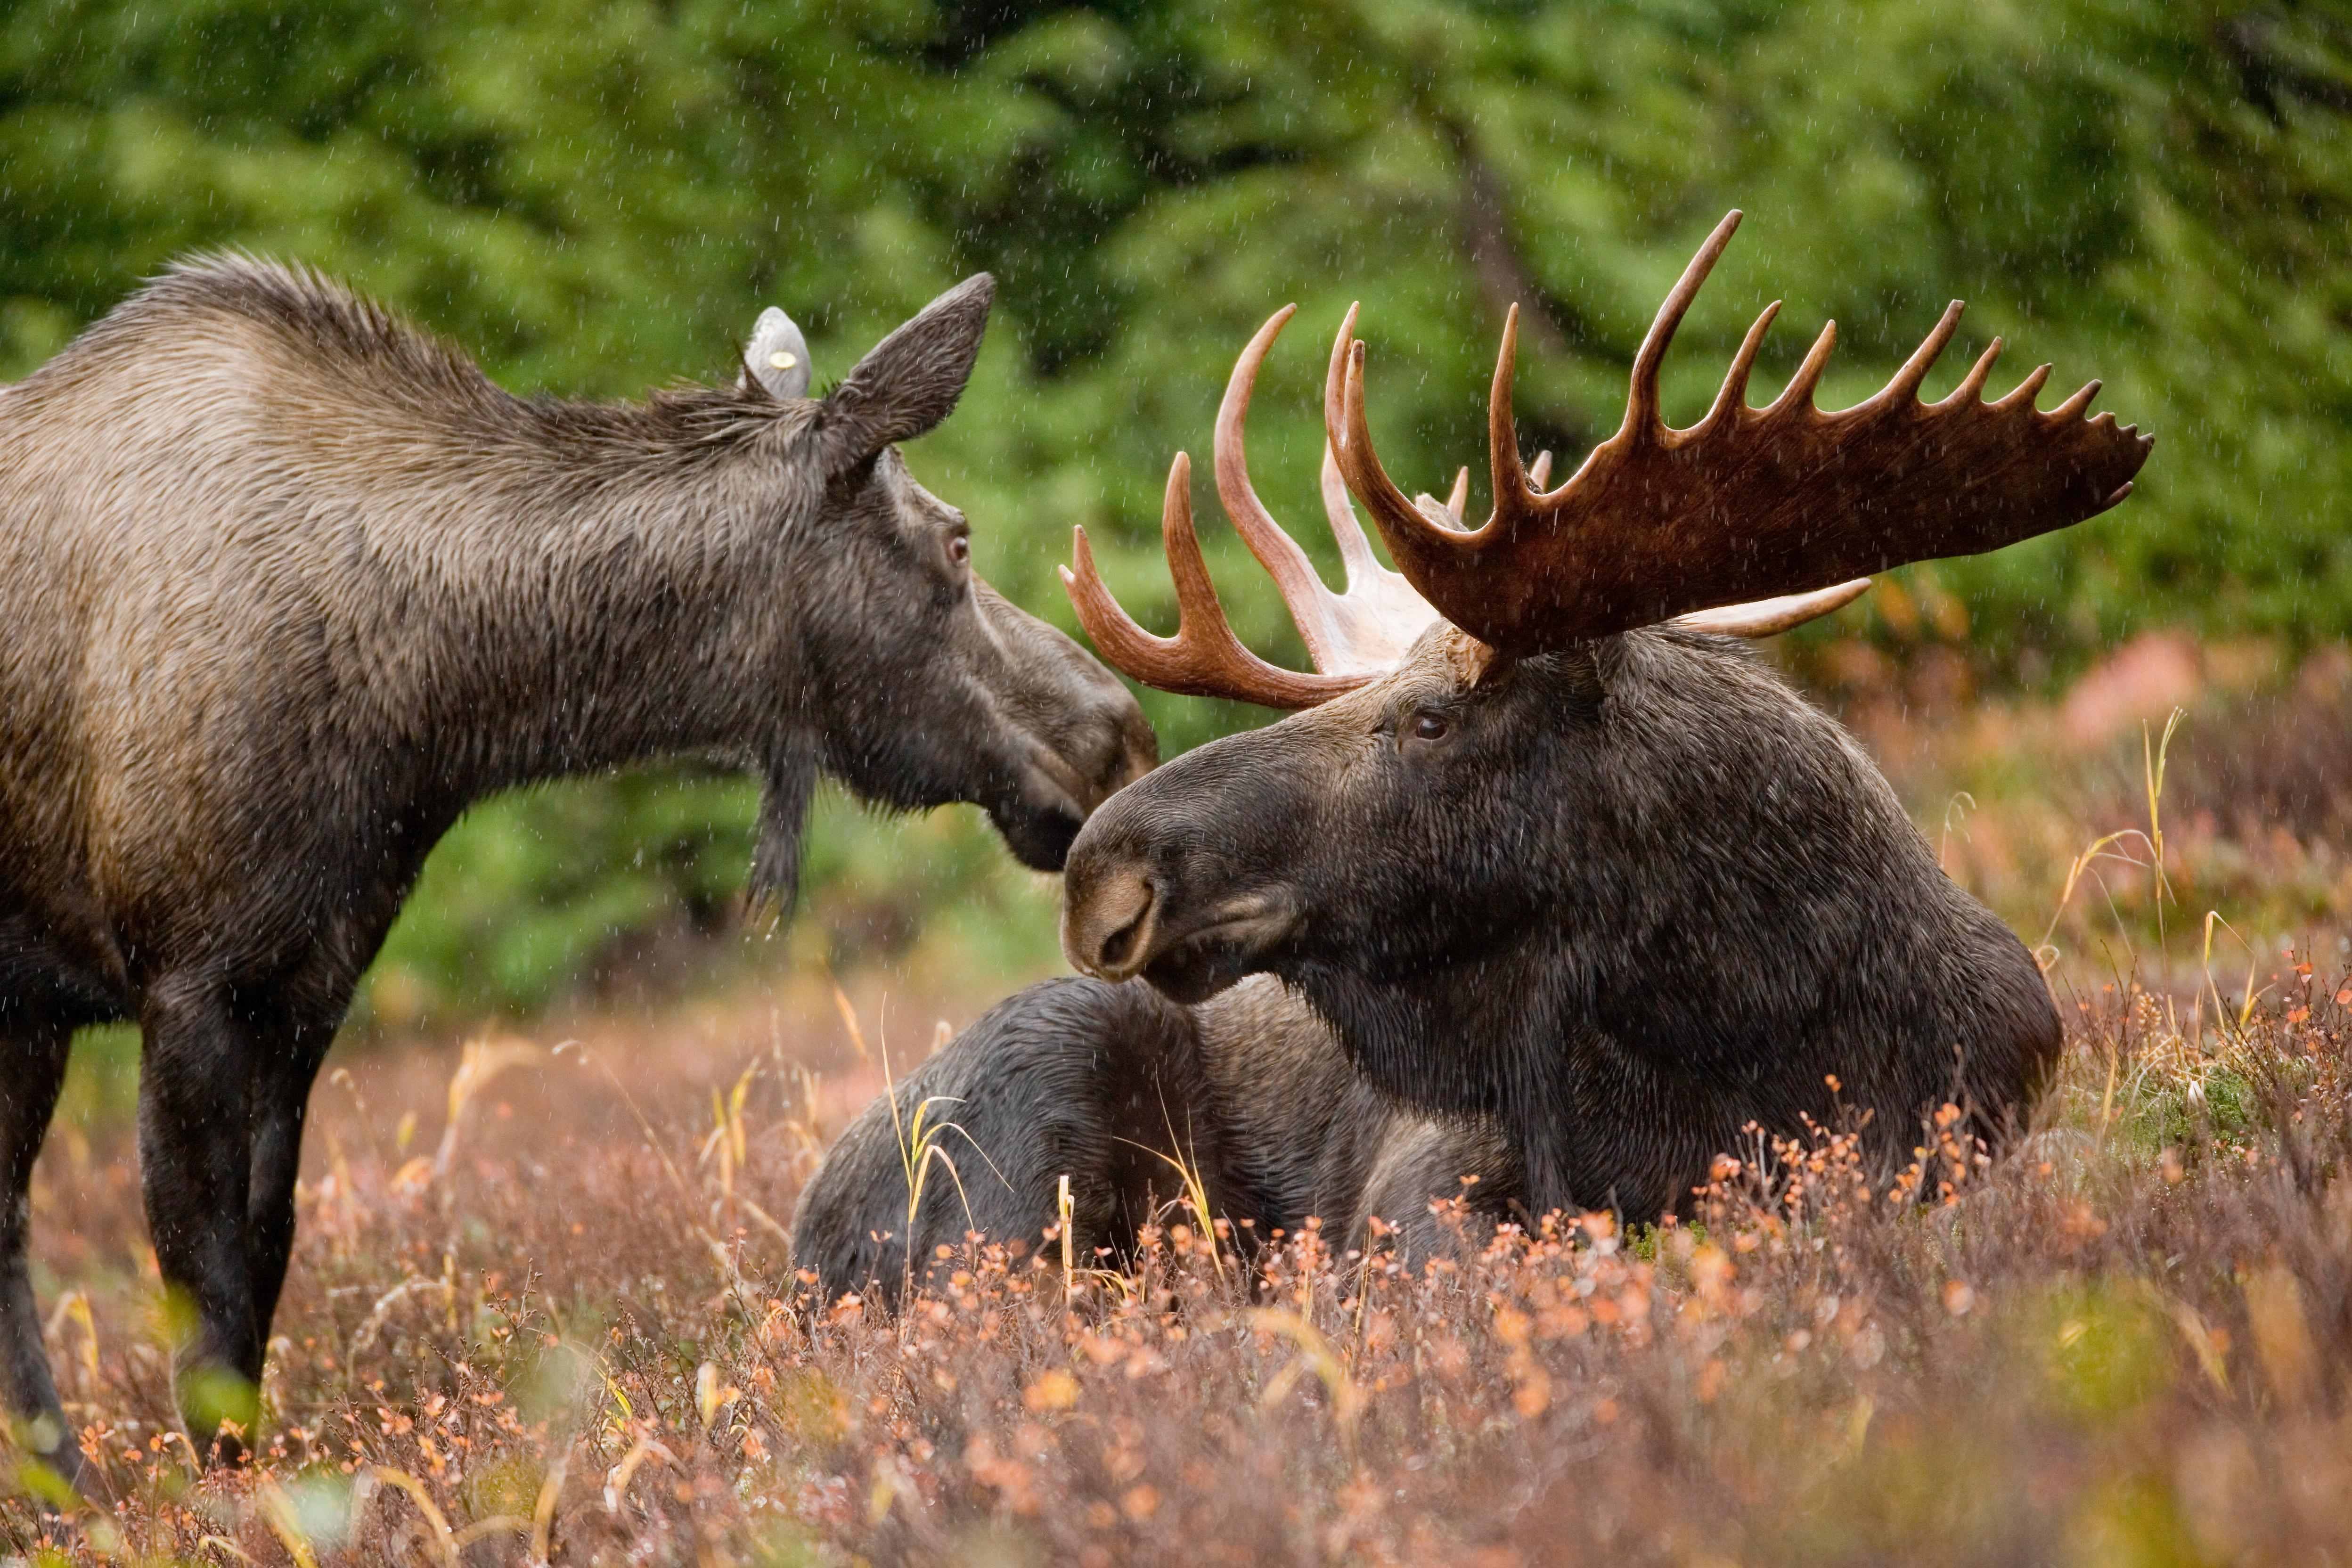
x=1109, y=913
x=1185, y=879
x=1064, y=780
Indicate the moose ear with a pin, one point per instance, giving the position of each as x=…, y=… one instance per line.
x=777, y=357
x=913, y=377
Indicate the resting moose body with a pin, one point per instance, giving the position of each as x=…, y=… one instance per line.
x=1634, y=898
x=1106, y=1084
x=1574, y=906
x=288, y=585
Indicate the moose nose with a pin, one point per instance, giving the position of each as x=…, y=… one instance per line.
x=1107, y=918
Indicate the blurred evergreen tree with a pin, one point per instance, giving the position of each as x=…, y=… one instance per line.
x=592, y=196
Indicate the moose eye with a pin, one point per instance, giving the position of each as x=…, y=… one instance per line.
x=959, y=549
x=1431, y=727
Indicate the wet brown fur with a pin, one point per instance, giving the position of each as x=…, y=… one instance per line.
x=1113, y=1086
x=1611, y=908
x=286, y=584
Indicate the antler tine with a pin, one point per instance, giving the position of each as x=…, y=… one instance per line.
x=1971, y=387
x=1540, y=469
x=1511, y=492
x=1366, y=575
x=1733, y=395
x=1751, y=504
x=2024, y=392
x=1335, y=381
x=1923, y=359
x=1422, y=549
x=1203, y=658
x=1768, y=618
x=1378, y=618
x=2073, y=407
x=1799, y=393
x=1355, y=550
x=1642, y=402
x=1303, y=593
x=1381, y=614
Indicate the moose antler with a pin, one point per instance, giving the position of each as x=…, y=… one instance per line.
x=1747, y=504
x=1369, y=627
x=1203, y=658
x=1352, y=637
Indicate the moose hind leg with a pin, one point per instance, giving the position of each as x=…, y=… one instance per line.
x=1424, y=1159
x=32, y=1067
x=282, y=1100
x=196, y=1104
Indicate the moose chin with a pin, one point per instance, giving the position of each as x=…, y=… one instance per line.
x=288, y=585
x=1552, y=882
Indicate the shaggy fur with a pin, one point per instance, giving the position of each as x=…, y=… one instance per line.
x=288, y=585
x=1108, y=1085
x=1624, y=902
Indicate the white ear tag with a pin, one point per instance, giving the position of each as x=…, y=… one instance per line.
x=777, y=355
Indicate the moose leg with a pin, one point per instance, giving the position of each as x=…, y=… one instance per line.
x=196, y=1103
x=281, y=1092
x=32, y=1067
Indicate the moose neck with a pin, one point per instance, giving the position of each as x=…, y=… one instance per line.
x=1490, y=1038
x=579, y=588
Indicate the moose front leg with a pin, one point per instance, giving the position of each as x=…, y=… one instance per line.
x=195, y=1136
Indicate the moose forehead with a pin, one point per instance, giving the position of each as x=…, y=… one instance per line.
x=1681, y=696
x=885, y=482
x=1444, y=665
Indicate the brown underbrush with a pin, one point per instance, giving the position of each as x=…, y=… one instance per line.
x=566, y=1329
x=543, y=1310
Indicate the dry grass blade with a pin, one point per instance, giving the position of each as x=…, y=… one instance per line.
x=543, y=1513
x=365, y=1339
x=483, y=1060
x=489, y=1525
x=444, y=1540
x=285, y=1521
x=616, y=1484
x=1194, y=1195
x=1315, y=1355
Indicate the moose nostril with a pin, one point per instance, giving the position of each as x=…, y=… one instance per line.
x=1119, y=944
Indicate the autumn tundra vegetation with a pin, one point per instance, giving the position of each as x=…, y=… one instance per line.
x=541, y=1312
x=540, y=1300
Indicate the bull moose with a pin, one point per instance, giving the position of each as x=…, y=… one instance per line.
x=288, y=583
x=1571, y=884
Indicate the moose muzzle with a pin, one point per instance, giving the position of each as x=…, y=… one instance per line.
x=1168, y=882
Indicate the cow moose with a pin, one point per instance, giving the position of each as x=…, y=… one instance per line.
x=288, y=585
x=1571, y=885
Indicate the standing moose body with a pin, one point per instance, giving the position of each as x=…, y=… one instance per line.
x=288, y=585
x=1572, y=884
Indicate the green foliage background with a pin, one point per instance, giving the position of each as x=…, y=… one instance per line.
x=596, y=196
